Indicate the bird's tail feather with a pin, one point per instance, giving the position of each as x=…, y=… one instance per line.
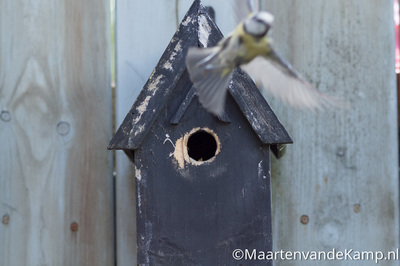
x=210, y=78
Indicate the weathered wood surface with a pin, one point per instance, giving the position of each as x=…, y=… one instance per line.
x=342, y=170
x=338, y=159
x=55, y=124
x=155, y=22
x=197, y=28
x=172, y=190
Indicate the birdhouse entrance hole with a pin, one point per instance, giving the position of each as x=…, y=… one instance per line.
x=202, y=146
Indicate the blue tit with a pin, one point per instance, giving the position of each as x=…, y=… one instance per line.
x=249, y=47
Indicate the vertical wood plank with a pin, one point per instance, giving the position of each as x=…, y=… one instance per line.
x=55, y=123
x=140, y=38
x=342, y=170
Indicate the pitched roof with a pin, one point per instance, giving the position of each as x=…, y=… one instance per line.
x=196, y=29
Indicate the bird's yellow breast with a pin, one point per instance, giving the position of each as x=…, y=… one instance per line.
x=252, y=46
x=240, y=48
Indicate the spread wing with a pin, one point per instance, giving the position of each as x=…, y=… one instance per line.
x=242, y=9
x=278, y=77
x=210, y=77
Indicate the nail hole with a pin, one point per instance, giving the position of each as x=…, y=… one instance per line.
x=5, y=116
x=6, y=219
x=63, y=128
x=74, y=227
x=340, y=151
x=304, y=219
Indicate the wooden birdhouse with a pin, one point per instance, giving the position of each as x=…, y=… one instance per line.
x=202, y=182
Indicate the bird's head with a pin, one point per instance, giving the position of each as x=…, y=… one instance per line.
x=258, y=24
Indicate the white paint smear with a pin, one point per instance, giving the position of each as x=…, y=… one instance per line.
x=204, y=30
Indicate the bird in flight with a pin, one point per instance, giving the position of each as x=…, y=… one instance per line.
x=250, y=47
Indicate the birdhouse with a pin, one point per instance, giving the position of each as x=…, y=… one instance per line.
x=202, y=181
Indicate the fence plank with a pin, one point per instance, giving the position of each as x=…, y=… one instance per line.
x=55, y=123
x=342, y=170
x=143, y=30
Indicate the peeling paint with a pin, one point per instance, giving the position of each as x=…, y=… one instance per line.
x=152, y=74
x=204, y=30
x=141, y=109
x=177, y=49
x=261, y=170
x=187, y=21
x=138, y=174
x=140, y=130
x=149, y=236
x=154, y=85
x=168, y=65
x=139, y=200
x=178, y=153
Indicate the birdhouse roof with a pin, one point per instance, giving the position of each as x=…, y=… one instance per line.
x=196, y=29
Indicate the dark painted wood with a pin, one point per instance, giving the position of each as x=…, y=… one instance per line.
x=194, y=212
x=184, y=105
x=197, y=215
x=257, y=111
x=224, y=118
x=166, y=75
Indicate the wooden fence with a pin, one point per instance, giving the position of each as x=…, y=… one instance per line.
x=342, y=171
x=336, y=188
x=56, y=192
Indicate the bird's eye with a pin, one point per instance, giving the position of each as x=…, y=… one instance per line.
x=256, y=27
x=259, y=24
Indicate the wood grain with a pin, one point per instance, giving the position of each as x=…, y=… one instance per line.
x=339, y=159
x=55, y=105
x=342, y=170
